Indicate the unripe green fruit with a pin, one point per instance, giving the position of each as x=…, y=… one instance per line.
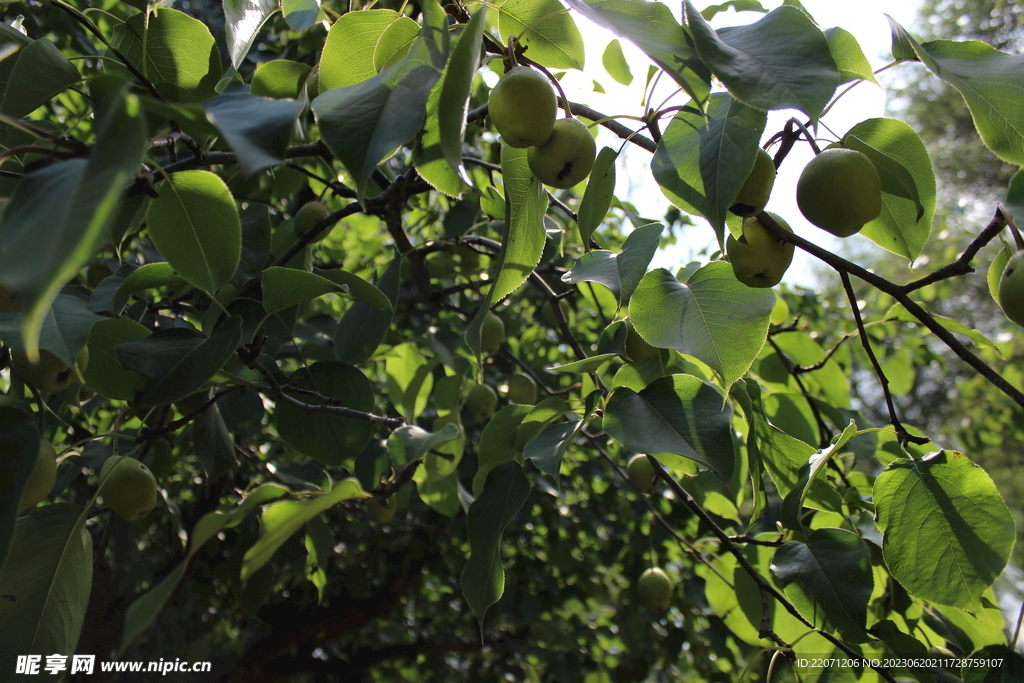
x=522, y=389
x=41, y=478
x=547, y=312
x=839, y=191
x=637, y=347
x=381, y=513
x=522, y=107
x=641, y=473
x=308, y=214
x=469, y=259
x=655, y=589
x=130, y=490
x=1011, y=288
x=757, y=188
x=567, y=158
x=757, y=258
x=50, y=374
x=482, y=401
x=492, y=334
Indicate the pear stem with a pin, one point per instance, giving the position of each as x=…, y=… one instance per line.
x=558, y=86
x=1018, y=240
x=512, y=53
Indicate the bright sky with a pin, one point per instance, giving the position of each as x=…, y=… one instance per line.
x=867, y=23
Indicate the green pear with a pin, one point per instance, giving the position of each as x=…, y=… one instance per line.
x=308, y=214
x=637, y=348
x=839, y=191
x=130, y=489
x=522, y=107
x=641, y=473
x=757, y=188
x=757, y=258
x=522, y=389
x=655, y=589
x=50, y=374
x=482, y=401
x=41, y=478
x=547, y=312
x=1011, y=288
x=492, y=334
x=565, y=161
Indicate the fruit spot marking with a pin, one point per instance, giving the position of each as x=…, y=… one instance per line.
x=566, y=170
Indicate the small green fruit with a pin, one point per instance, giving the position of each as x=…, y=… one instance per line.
x=492, y=334
x=482, y=401
x=1011, y=288
x=381, y=513
x=757, y=258
x=547, y=312
x=50, y=374
x=41, y=478
x=567, y=158
x=655, y=589
x=641, y=473
x=130, y=490
x=839, y=191
x=757, y=188
x=637, y=348
x=308, y=214
x=522, y=389
x=522, y=107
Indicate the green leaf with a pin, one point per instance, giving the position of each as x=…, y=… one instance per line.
x=984, y=77
x=256, y=234
x=394, y=42
x=362, y=328
x=441, y=494
x=615, y=63
x=284, y=518
x=410, y=443
x=525, y=205
x=456, y=87
x=548, y=447
x=652, y=28
x=908, y=184
x=279, y=78
x=848, y=56
x=498, y=442
x=46, y=581
x=242, y=21
x=358, y=289
x=213, y=445
x=621, y=272
x=104, y=374
x=712, y=317
x=364, y=123
x=898, y=312
x=586, y=365
x=781, y=61
x=1014, y=204
x=598, y=195
x=45, y=243
x=176, y=52
x=947, y=532
x=676, y=414
x=701, y=163
x=257, y=128
x=347, y=58
x=287, y=287
x=810, y=477
x=553, y=41
x=33, y=76
x=65, y=328
x=329, y=439
x=301, y=14
x=19, y=446
x=994, y=664
x=149, y=276
x=177, y=361
x=430, y=155
x=195, y=225
x=538, y=419
x=483, y=579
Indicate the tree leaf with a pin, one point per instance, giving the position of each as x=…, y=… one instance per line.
x=676, y=414
x=394, y=42
x=598, y=195
x=257, y=128
x=548, y=447
x=331, y=440
x=701, y=163
x=301, y=14
x=621, y=272
x=908, y=184
x=104, y=374
x=287, y=287
x=554, y=41
x=829, y=580
x=652, y=28
x=810, y=477
x=409, y=443
x=284, y=518
x=615, y=63
x=279, y=78
x=362, y=328
x=483, y=579
x=364, y=123
x=525, y=205
x=46, y=581
x=848, y=56
x=19, y=447
x=141, y=278
x=242, y=21
x=983, y=76
x=712, y=317
x=177, y=361
x=358, y=288
x=430, y=155
x=38, y=72
x=498, y=442
x=947, y=531
x=195, y=225
x=456, y=87
x=347, y=57
x=781, y=61
x=441, y=494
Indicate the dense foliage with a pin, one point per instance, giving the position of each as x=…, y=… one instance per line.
x=325, y=393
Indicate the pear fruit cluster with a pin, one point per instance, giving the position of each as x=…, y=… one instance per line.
x=130, y=490
x=1011, y=288
x=839, y=191
x=522, y=106
x=655, y=589
x=757, y=258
